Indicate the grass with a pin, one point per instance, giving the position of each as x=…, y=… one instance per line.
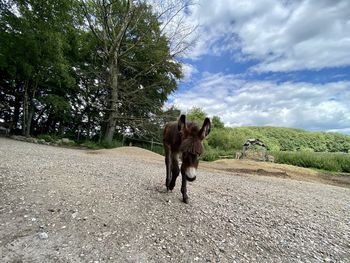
x=212, y=154
x=95, y=145
x=334, y=162
x=48, y=137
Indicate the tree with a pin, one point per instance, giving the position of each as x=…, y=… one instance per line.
x=196, y=115
x=170, y=114
x=87, y=68
x=32, y=58
x=140, y=71
x=217, y=123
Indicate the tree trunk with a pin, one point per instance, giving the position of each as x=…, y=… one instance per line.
x=29, y=121
x=25, y=109
x=112, y=109
x=88, y=126
x=17, y=107
x=61, y=128
x=28, y=109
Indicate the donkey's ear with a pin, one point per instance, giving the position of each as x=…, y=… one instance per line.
x=182, y=122
x=204, y=131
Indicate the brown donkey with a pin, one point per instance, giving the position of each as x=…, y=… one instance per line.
x=183, y=138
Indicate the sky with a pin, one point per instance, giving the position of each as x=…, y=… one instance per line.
x=279, y=63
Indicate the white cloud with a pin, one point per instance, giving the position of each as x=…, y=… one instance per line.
x=188, y=71
x=281, y=35
x=242, y=103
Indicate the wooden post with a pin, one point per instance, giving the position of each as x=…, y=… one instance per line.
x=152, y=145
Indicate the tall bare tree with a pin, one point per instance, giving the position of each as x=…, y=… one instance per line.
x=138, y=55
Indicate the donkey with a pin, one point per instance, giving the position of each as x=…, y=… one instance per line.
x=183, y=138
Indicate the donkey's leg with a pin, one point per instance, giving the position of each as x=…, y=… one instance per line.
x=184, y=187
x=175, y=170
x=168, y=166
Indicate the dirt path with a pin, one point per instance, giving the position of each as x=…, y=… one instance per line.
x=65, y=205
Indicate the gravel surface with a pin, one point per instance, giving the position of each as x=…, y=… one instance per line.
x=66, y=205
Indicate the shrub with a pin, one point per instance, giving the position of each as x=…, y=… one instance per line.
x=210, y=155
x=336, y=162
x=91, y=145
x=113, y=144
x=47, y=137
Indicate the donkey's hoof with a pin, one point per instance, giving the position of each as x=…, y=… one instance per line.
x=185, y=200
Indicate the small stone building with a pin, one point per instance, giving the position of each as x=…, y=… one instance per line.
x=255, y=149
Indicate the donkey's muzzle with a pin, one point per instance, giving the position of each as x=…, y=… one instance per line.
x=190, y=179
x=191, y=174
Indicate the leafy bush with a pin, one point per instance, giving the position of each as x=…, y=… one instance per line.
x=210, y=155
x=70, y=143
x=336, y=162
x=95, y=145
x=91, y=145
x=114, y=144
x=48, y=137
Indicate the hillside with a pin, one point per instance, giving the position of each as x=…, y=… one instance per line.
x=280, y=139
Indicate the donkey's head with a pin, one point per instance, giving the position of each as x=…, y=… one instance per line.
x=191, y=146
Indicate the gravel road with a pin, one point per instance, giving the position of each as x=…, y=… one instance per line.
x=67, y=205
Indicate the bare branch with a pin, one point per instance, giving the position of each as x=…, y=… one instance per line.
x=176, y=25
x=89, y=20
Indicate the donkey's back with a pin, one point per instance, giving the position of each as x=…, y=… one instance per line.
x=172, y=136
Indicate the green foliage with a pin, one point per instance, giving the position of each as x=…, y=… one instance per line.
x=210, y=155
x=58, y=106
x=96, y=145
x=34, y=64
x=113, y=144
x=217, y=123
x=196, y=115
x=292, y=146
x=226, y=139
x=336, y=162
x=48, y=137
x=170, y=114
x=280, y=139
x=91, y=145
x=51, y=56
x=68, y=144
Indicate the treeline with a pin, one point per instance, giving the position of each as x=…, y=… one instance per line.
x=280, y=139
x=87, y=69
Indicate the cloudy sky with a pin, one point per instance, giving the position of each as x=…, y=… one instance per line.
x=270, y=62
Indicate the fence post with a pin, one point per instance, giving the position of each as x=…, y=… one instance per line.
x=152, y=145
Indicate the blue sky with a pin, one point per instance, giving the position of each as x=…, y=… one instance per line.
x=269, y=62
